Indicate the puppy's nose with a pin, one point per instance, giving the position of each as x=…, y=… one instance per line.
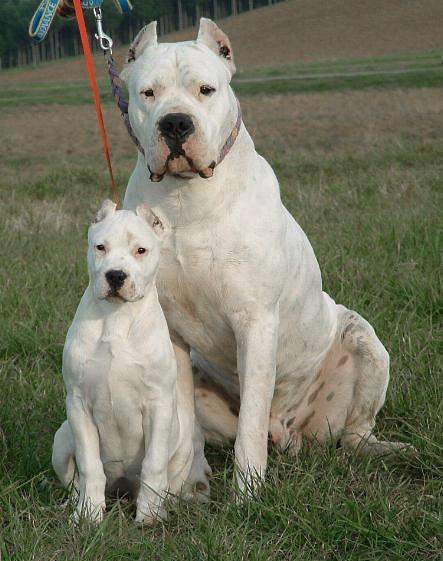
x=116, y=278
x=176, y=126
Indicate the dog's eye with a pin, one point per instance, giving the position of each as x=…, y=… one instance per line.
x=148, y=93
x=100, y=247
x=207, y=90
x=141, y=250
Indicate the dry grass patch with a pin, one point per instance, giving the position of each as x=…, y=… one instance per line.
x=38, y=216
x=35, y=139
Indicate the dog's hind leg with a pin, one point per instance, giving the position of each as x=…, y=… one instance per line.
x=371, y=364
x=63, y=456
x=344, y=398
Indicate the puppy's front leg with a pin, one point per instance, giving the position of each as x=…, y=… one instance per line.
x=157, y=426
x=92, y=479
x=256, y=362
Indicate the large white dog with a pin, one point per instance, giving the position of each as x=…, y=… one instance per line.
x=129, y=423
x=238, y=281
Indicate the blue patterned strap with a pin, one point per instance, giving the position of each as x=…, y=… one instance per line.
x=42, y=19
x=123, y=6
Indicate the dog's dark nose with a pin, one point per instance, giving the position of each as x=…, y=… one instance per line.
x=115, y=278
x=176, y=126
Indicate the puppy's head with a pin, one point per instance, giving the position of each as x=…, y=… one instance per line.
x=123, y=252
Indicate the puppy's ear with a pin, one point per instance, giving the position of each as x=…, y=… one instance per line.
x=213, y=37
x=107, y=209
x=146, y=37
x=145, y=212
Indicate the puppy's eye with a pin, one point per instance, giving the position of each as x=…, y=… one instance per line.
x=148, y=93
x=206, y=90
x=141, y=250
x=100, y=247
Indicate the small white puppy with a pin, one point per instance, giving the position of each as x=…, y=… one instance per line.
x=129, y=421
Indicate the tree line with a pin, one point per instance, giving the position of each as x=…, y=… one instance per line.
x=16, y=48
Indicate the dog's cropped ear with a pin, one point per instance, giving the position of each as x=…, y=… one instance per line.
x=146, y=37
x=145, y=212
x=107, y=209
x=213, y=37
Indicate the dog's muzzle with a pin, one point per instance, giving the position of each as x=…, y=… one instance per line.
x=115, y=279
x=175, y=128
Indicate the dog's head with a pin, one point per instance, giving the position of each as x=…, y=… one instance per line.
x=123, y=252
x=181, y=106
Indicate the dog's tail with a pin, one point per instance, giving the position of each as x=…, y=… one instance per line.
x=63, y=455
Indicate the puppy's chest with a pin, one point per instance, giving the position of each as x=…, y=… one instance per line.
x=112, y=373
x=119, y=377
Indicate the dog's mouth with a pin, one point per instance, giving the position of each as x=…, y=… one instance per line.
x=115, y=296
x=179, y=164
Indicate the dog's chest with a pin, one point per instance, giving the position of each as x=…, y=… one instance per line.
x=119, y=385
x=191, y=290
x=113, y=379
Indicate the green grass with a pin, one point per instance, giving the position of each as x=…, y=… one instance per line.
x=383, y=260
x=374, y=219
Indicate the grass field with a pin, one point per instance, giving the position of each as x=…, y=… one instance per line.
x=361, y=168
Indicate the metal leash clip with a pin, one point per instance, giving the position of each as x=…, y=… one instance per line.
x=104, y=40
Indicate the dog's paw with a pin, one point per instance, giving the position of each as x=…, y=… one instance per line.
x=90, y=514
x=386, y=449
x=246, y=486
x=148, y=517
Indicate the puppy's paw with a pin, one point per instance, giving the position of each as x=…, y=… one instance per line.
x=198, y=486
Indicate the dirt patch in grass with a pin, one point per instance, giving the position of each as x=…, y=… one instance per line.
x=33, y=140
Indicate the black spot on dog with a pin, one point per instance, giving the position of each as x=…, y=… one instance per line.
x=234, y=409
x=346, y=330
x=343, y=360
x=315, y=393
x=306, y=421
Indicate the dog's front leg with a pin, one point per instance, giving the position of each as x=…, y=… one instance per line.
x=92, y=479
x=256, y=362
x=157, y=426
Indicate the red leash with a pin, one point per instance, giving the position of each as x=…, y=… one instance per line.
x=95, y=92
